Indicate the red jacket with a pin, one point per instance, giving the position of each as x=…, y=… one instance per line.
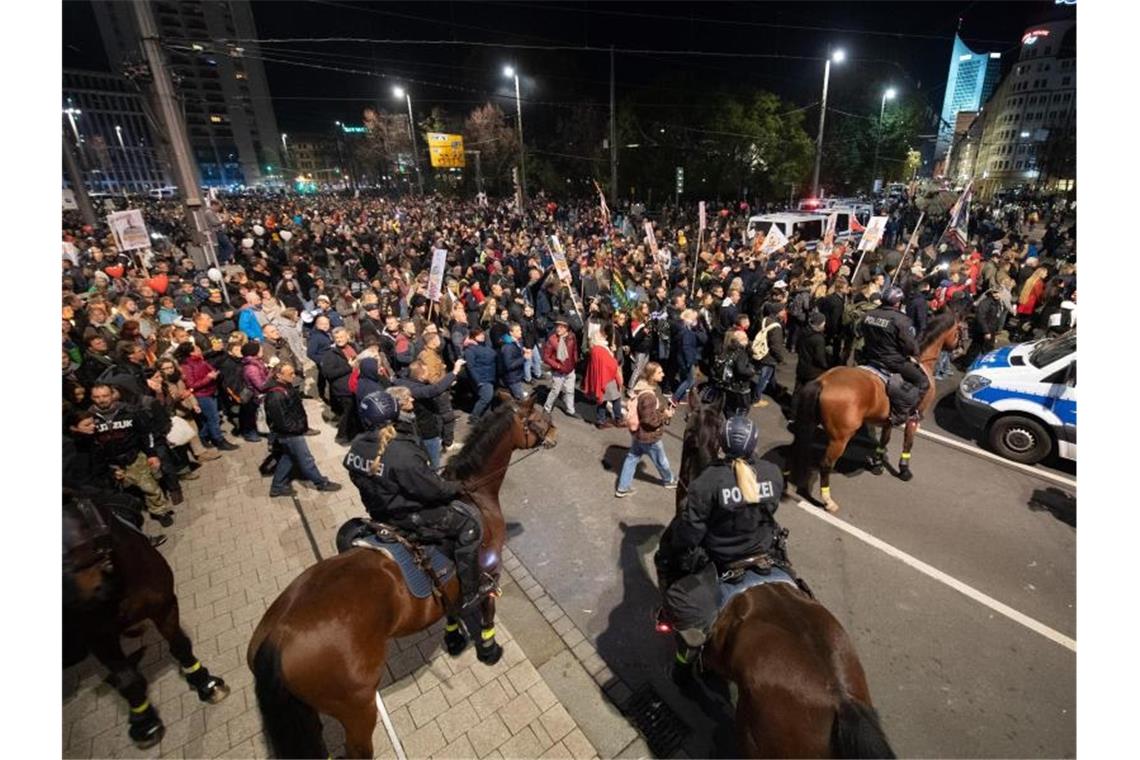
x=195, y=372
x=601, y=369
x=550, y=354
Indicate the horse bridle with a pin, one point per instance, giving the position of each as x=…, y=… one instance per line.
x=530, y=427
x=100, y=536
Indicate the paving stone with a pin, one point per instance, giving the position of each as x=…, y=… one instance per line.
x=405, y=663
x=488, y=735
x=523, y=676
x=245, y=726
x=519, y=712
x=490, y=698
x=433, y=674
x=544, y=740
x=559, y=751
x=402, y=721
x=424, y=741
x=542, y=695
x=179, y=733
x=458, y=720
x=460, y=686
x=427, y=707
x=400, y=693
x=522, y=744
x=579, y=745
x=460, y=749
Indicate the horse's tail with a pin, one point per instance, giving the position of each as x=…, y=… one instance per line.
x=293, y=728
x=856, y=732
x=805, y=411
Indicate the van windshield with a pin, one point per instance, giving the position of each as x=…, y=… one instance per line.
x=812, y=230
x=1048, y=351
x=759, y=228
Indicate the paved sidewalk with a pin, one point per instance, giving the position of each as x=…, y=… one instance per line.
x=233, y=549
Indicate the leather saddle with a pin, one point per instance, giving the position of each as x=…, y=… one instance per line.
x=903, y=395
x=425, y=567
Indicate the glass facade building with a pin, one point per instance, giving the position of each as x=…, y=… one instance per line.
x=969, y=83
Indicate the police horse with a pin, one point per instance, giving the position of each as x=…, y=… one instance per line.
x=801, y=690
x=844, y=399
x=321, y=645
x=114, y=580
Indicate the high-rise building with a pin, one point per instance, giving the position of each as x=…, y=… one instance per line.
x=225, y=94
x=1029, y=132
x=104, y=117
x=969, y=83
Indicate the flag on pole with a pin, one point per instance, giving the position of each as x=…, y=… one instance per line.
x=701, y=213
x=825, y=246
x=873, y=234
x=774, y=240
x=602, y=200
x=957, y=231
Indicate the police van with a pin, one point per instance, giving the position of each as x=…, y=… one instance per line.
x=1024, y=399
x=810, y=227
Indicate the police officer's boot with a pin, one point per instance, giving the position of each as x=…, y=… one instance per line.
x=689, y=643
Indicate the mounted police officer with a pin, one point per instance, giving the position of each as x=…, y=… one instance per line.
x=727, y=516
x=399, y=488
x=890, y=345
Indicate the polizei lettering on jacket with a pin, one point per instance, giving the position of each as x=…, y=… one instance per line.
x=733, y=496
x=876, y=321
x=354, y=461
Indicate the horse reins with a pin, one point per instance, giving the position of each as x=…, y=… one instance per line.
x=540, y=438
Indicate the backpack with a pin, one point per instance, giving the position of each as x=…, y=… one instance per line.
x=798, y=308
x=632, y=420
x=722, y=370
x=760, y=342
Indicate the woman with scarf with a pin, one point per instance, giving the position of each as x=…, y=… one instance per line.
x=603, y=381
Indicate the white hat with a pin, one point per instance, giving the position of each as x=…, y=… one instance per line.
x=779, y=284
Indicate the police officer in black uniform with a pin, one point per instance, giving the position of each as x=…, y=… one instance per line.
x=890, y=345
x=399, y=488
x=717, y=524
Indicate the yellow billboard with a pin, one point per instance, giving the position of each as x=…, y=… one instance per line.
x=446, y=150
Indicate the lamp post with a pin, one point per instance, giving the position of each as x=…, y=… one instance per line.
x=71, y=114
x=285, y=147
x=888, y=94
x=838, y=56
x=509, y=71
x=399, y=92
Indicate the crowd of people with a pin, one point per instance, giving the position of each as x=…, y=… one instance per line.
x=327, y=297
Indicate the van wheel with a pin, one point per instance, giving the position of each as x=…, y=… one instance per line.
x=1021, y=439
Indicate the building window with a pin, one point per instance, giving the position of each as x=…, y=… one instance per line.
x=1066, y=81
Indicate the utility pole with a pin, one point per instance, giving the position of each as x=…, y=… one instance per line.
x=71, y=163
x=170, y=116
x=613, y=137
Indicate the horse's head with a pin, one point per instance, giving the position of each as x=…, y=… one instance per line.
x=533, y=426
x=88, y=563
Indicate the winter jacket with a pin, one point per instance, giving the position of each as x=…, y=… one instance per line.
x=370, y=379
x=429, y=415
x=319, y=343
x=249, y=324
x=481, y=362
x=987, y=317
x=256, y=374
x=688, y=346
x=919, y=312
x=121, y=434
x=651, y=417
x=217, y=312
x=403, y=483
x=812, y=353
x=194, y=373
x=284, y=411
x=336, y=366
x=550, y=354
x=510, y=362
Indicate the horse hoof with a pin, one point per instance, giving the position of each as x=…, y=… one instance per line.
x=876, y=468
x=214, y=691
x=147, y=731
x=831, y=505
x=905, y=473
x=455, y=642
x=489, y=655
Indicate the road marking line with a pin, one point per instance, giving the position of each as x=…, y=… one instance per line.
x=392, y=737
x=941, y=577
x=980, y=452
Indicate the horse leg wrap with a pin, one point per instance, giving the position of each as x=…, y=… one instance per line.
x=904, y=466
x=454, y=637
x=487, y=650
x=210, y=688
x=145, y=727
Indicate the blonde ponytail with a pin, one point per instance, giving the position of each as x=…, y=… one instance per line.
x=386, y=436
x=746, y=481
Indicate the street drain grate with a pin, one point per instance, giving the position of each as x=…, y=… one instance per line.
x=663, y=729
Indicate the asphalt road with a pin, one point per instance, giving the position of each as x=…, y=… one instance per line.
x=951, y=676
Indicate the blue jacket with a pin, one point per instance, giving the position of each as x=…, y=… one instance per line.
x=319, y=342
x=689, y=346
x=369, y=380
x=481, y=360
x=511, y=362
x=247, y=323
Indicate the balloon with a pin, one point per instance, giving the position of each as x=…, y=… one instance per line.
x=247, y=242
x=115, y=271
x=258, y=230
x=159, y=283
x=214, y=274
x=286, y=235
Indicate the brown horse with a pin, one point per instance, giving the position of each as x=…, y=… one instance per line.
x=321, y=645
x=114, y=580
x=801, y=688
x=843, y=399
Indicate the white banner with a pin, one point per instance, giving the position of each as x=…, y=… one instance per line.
x=774, y=240
x=559, y=257
x=129, y=230
x=701, y=214
x=828, y=243
x=873, y=234
x=650, y=237
x=435, y=279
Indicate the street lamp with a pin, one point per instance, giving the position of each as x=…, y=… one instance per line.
x=399, y=92
x=838, y=56
x=285, y=144
x=72, y=112
x=509, y=72
x=888, y=94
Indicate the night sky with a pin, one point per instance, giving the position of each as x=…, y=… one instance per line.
x=903, y=44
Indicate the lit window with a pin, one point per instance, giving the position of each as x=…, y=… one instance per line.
x=215, y=118
x=239, y=75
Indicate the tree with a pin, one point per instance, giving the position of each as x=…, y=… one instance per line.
x=387, y=144
x=486, y=129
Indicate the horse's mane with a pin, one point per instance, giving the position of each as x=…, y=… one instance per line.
x=937, y=327
x=479, y=443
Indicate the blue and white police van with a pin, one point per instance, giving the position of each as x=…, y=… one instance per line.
x=1024, y=399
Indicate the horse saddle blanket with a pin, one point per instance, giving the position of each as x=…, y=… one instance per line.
x=418, y=582
x=751, y=577
x=902, y=394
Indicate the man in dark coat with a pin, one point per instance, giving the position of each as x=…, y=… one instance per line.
x=811, y=350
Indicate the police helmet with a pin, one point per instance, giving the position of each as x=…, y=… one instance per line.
x=378, y=409
x=893, y=296
x=738, y=437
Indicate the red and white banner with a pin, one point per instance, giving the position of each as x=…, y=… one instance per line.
x=873, y=234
